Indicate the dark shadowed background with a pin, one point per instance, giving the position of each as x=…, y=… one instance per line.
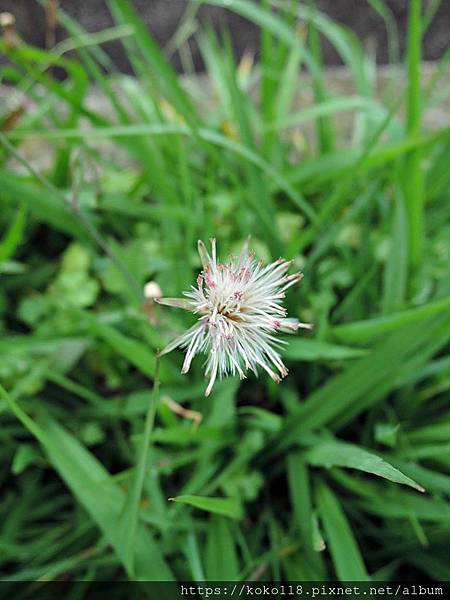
x=163, y=18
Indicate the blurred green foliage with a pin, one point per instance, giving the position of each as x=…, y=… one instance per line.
x=316, y=478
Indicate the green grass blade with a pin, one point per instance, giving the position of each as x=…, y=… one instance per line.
x=402, y=505
x=13, y=236
x=129, y=518
x=316, y=350
x=412, y=173
x=396, y=271
x=227, y=507
x=300, y=494
x=332, y=453
x=346, y=555
x=325, y=133
x=364, y=331
x=221, y=560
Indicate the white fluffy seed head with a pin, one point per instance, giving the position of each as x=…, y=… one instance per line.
x=239, y=308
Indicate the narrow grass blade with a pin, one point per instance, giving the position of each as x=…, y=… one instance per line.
x=437, y=432
x=325, y=133
x=228, y=507
x=313, y=350
x=301, y=499
x=13, y=236
x=403, y=505
x=322, y=109
x=192, y=553
x=396, y=270
x=129, y=518
x=363, y=331
x=221, y=560
x=412, y=175
x=344, y=549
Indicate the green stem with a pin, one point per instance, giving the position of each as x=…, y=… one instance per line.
x=128, y=524
x=412, y=175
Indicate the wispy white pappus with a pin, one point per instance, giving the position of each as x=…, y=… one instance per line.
x=239, y=305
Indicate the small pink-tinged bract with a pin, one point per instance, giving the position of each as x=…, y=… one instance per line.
x=239, y=304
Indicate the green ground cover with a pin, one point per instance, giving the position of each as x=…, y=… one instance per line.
x=342, y=470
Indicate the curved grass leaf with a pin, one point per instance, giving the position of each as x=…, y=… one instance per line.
x=338, y=454
x=362, y=331
x=326, y=108
x=228, y=507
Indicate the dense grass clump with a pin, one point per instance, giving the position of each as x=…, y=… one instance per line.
x=107, y=182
